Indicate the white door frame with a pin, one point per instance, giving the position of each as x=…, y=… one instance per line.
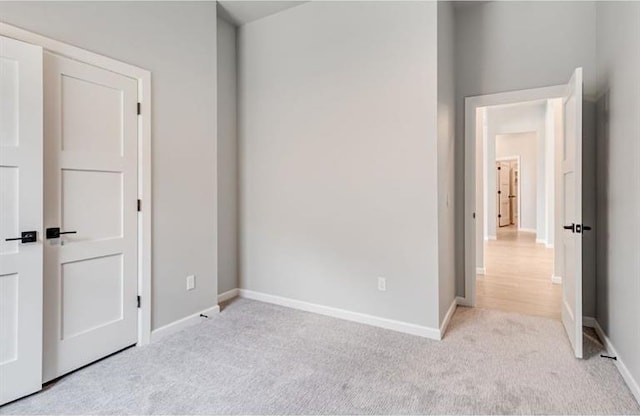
x=144, y=154
x=471, y=106
x=511, y=159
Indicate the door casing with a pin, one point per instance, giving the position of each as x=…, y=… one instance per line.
x=143, y=78
x=472, y=104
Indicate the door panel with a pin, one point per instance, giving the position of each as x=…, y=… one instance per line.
x=571, y=248
x=503, y=194
x=21, y=112
x=90, y=189
x=513, y=191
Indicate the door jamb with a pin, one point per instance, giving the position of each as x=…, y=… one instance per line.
x=471, y=105
x=517, y=159
x=143, y=78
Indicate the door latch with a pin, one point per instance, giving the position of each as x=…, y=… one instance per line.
x=56, y=233
x=26, y=237
x=577, y=228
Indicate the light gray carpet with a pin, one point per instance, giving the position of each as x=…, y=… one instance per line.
x=256, y=358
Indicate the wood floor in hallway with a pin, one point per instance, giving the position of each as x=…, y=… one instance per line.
x=518, y=276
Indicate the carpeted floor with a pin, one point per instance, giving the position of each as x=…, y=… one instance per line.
x=256, y=358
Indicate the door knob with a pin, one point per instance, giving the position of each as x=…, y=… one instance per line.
x=571, y=227
x=56, y=233
x=26, y=237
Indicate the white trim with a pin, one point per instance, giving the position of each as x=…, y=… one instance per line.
x=589, y=321
x=556, y=279
x=447, y=318
x=491, y=238
x=183, y=323
x=633, y=384
x=407, y=328
x=470, y=107
x=541, y=241
x=462, y=301
x=481, y=270
x=527, y=230
x=144, y=155
x=229, y=294
x=549, y=245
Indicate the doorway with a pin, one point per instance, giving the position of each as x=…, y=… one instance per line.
x=563, y=230
x=508, y=190
x=517, y=255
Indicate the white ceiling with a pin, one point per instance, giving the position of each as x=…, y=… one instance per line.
x=241, y=11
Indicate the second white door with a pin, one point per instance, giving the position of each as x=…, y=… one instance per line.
x=90, y=190
x=504, y=212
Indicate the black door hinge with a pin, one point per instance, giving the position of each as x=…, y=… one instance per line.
x=139, y=205
x=139, y=301
x=139, y=109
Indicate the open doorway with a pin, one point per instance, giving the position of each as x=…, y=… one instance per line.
x=516, y=257
x=563, y=227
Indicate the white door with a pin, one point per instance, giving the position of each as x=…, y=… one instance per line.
x=513, y=191
x=571, y=248
x=90, y=277
x=504, y=187
x=20, y=212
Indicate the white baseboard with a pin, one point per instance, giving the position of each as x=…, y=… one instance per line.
x=541, y=241
x=624, y=371
x=481, y=270
x=491, y=237
x=589, y=321
x=183, y=323
x=407, y=328
x=549, y=245
x=527, y=230
x=448, y=316
x=556, y=279
x=462, y=301
x=229, y=294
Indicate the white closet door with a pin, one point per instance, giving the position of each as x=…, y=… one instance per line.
x=90, y=214
x=20, y=216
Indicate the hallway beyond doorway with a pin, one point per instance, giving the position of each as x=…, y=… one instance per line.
x=518, y=276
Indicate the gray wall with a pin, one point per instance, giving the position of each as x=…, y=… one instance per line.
x=446, y=151
x=177, y=43
x=502, y=46
x=618, y=222
x=338, y=145
x=227, y=158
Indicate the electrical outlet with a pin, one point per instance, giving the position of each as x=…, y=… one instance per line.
x=382, y=284
x=191, y=282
